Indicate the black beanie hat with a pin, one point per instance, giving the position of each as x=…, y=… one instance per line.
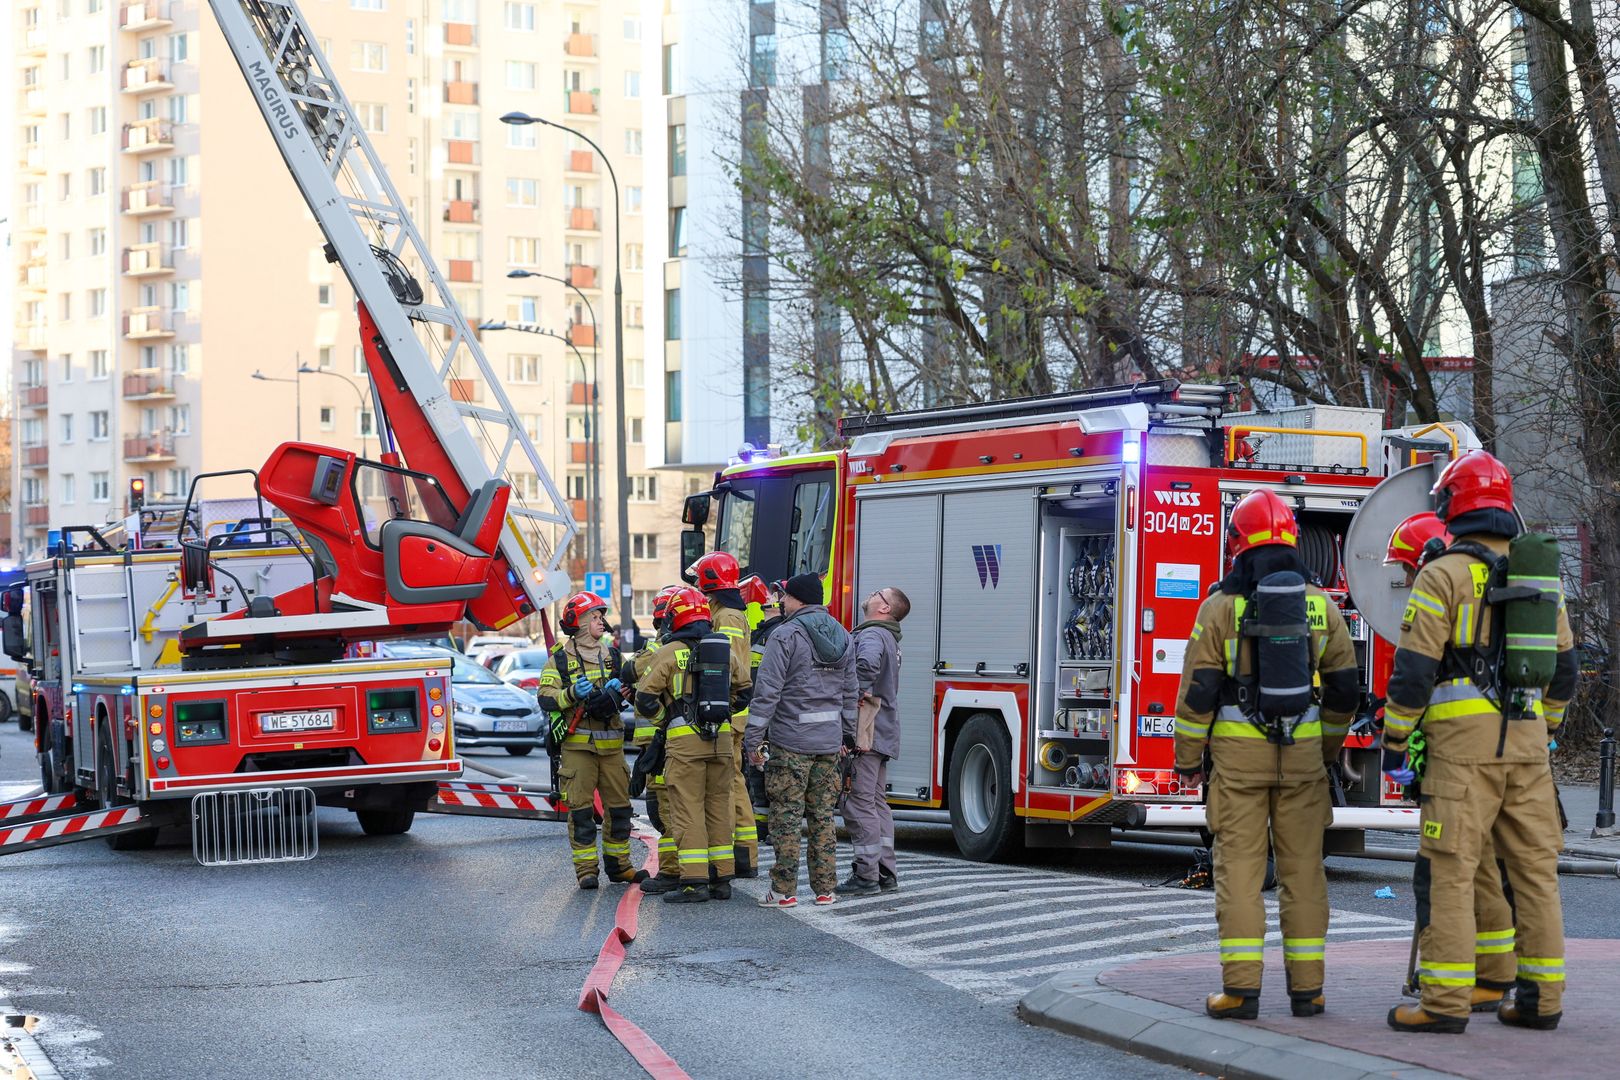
x=805, y=588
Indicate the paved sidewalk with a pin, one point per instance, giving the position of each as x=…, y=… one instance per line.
x=1580, y=805
x=1155, y=1008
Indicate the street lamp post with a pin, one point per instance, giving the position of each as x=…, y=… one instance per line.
x=626, y=631
x=298, y=396
x=594, y=475
x=305, y=369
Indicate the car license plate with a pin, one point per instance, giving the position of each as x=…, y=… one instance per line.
x=521, y=726
x=1164, y=726
x=310, y=720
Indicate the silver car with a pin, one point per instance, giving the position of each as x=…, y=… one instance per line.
x=488, y=712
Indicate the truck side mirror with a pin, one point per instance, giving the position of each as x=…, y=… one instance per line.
x=695, y=513
x=691, y=546
x=13, y=639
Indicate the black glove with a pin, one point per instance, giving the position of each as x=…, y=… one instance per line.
x=602, y=705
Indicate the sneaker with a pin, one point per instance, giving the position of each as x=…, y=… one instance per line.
x=888, y=882
x=774, y=899
x=857, y=886
x=826, y=899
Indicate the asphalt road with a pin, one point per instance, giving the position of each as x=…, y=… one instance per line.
x=460, y=949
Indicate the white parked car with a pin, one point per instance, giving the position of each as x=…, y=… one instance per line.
x=486, y=648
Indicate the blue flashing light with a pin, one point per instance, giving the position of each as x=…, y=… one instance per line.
x=126, y=690
x=1130, y=451
x=78, y=688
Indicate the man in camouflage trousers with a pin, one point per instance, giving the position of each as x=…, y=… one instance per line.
x=805, y=705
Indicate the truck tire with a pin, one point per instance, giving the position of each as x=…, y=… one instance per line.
x=981, y=791
x=25, y=721
x=520, y=751
x=5, y=708
x=385, y=822
x=138, y=839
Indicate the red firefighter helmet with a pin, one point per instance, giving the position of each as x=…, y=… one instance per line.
x=1260, y=518
x=754, y=591
x=1474, y=481
x=578, y=606
x=716, y=570
x=686, y=607
x=1409, y=543
x=660, y=608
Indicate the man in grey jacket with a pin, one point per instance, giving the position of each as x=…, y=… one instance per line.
x=866, y=809
x=805, y=704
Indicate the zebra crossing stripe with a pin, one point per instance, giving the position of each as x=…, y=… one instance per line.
x=900, y=918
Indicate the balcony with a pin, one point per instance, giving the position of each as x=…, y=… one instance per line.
x=579, y=218
x=579, y=393
x=37, y=517
x=142, y=15
x=31, y=158
x=148, y=136
x=33, y=103
x=31, y=276
x=581, y=276
x=580, y=45
x=462, y=270
x=148, y=197
x=465, y=390
x=461, y=211
x=579, y=453
x=33, y=41
x=146, y=76
x=147, y=260
x=30, y=219
x=580, y=102
x=583, y=335
x=36, y=457
x=462, y=152
x=31, y=337
x=147, y=324
x=461, y=35
x=577, y=508
x=34, y=397
x=158, y=446
x=148, y=384
x=461, y=93
x=580, y=161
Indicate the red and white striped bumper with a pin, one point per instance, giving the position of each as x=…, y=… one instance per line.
x=494, y=800
x=70, y=827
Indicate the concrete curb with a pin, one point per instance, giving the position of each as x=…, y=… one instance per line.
x=1076, y=1003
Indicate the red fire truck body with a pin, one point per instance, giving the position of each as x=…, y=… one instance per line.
x=1055, y=553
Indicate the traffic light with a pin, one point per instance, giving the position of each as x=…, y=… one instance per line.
x=137, y=494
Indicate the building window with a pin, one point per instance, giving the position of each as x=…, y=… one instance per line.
x=521, y=192
x=756, y=224
x=179, y=359
x=762, y=60
x=179, y=48
x=362, y=423
x=323, y=295
x=531, y=425
x=523, y=309
x=100, y=487
x=98, y=241
x=97, y=179
x=677, y=231
x=575, y=483
x=523, y=369
x=644, y=546
x=67, y=307
x=98, y=120
x=634, y=434
x=520, y=74
x=324, y=357
x=672, y=314
x=635, y=368
x=178, y=111
x=632, y=29
x=369, y=56
x=632, y=199
x=180, y=295
x=523, y=251
x=180, y=233
x=677, y=149
x=68, y=492
x=373, y=116
x=672, y=397
x=360, y=361
x=834, y=52
x=98, y=303
x=632, y=84
x=367, y=5
x=641, y=603
x=519, y=16
x=633, y=315
x=522, y=137
x=67, y=427
x=643, y=488
x=180, y=419
x=99, y=368
x=410, y=37
x=328, y=418
x=672, y=79
x=98, y=59
x=100, y=427
x=632, y=142
x=633, y=256
x=179, y=481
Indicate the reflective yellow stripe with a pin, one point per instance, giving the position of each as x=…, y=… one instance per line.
x=745, y=832
x=1494, y=941
x=1541, y=968
x=1424, y=602
x=1463, y=634
x=1197, y=632
x=1191, y=728
x=729, y=631
x=666, y=843
x=1242, y=729
x=1441, y=974
x=687, y=729
x=1241, y=949
x=694, y=855
x=1304, y=948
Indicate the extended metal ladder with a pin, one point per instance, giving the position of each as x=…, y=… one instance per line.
x=371, y=235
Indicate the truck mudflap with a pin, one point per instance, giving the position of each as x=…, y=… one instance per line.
x=71, y=827
x=1191, y=816
x=496, y=800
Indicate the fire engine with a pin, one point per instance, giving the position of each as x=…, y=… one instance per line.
x=211, y=674
x=1055, y=551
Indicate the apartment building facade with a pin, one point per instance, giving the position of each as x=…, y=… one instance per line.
x=134, y=280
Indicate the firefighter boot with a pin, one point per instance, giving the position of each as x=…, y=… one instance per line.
x=662, y=883
x=1417, y=1018
x=1307, y=1004
x=688, y=893
x=745, y=862
x=1513, y=1014
x=719, y=888
x=588, y=882
x=1486, y=998
x=1224, y=1006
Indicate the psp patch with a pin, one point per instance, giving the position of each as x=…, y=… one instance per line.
x=1431, y=829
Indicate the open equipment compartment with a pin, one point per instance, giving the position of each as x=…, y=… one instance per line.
x=1079, y=634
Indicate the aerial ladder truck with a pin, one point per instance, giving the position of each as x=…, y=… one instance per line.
x=213, y=681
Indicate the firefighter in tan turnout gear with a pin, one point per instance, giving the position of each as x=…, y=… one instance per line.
x=689, y=689
x=649, y=769
x=1269, y=687
x=716, y=575
x=580, y=691
x=1487, y=662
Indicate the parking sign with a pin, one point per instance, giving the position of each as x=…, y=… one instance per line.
x=599, y=583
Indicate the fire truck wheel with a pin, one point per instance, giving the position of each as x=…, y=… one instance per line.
x=982, y=818
x=385, y=822
x=520, y=751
